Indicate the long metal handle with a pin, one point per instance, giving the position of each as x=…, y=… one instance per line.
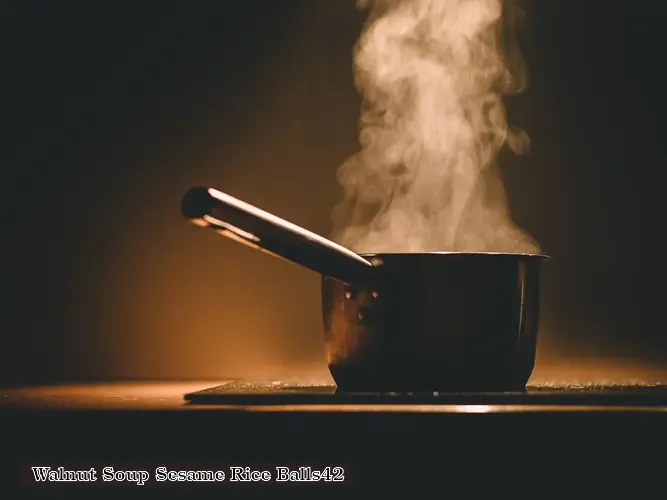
x=263, y=231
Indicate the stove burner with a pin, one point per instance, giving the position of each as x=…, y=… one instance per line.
x=284, y=393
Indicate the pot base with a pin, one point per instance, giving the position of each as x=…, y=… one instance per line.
x=354, y=379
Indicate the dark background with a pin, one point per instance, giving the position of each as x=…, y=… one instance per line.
x=112, y=110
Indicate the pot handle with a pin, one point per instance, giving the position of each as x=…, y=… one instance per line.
x=263, y=231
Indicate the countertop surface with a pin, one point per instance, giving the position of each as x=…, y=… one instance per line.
x=126, y=395
x=557, y=385
x=229, y=396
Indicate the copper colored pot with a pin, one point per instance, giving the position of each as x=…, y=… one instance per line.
x=409, y=322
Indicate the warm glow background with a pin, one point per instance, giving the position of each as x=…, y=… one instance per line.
x=113, y=112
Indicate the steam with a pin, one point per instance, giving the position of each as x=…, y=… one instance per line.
x=432, y=74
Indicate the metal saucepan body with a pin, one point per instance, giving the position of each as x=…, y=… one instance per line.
x=435, y=322
x=403, y=322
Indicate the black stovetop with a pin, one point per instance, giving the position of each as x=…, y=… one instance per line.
x=249, y=393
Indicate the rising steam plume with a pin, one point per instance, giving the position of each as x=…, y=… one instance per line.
x=432, y=74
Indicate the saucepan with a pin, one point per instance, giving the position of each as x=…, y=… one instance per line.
x=402, y=322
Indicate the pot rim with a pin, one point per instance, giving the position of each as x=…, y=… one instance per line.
x=471, y=254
